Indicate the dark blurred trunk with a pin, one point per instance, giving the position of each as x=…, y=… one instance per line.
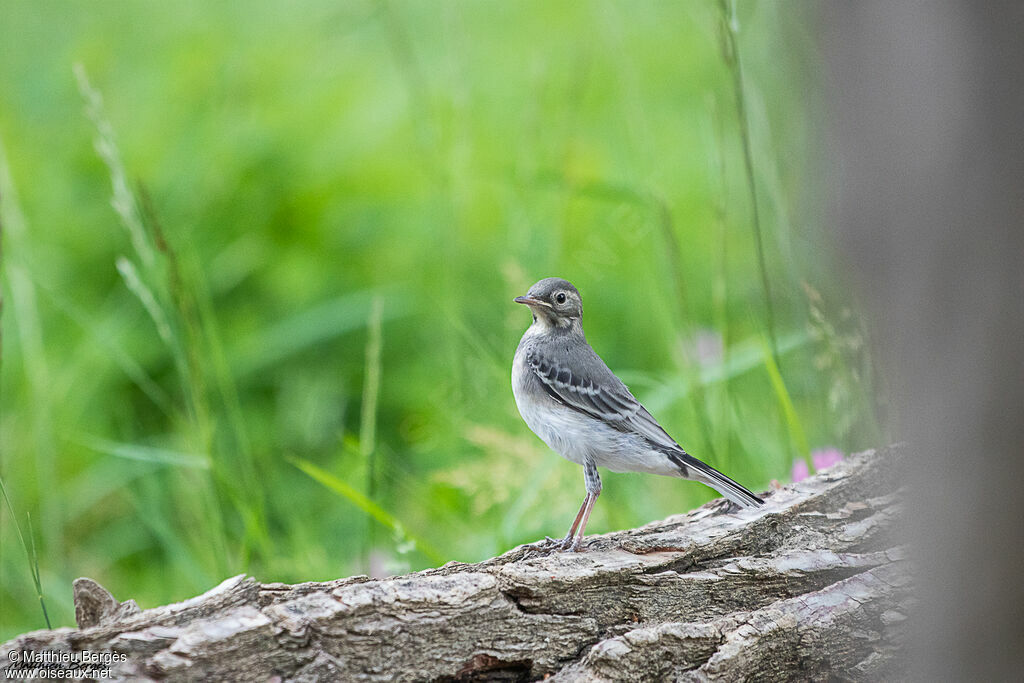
x=927, y=124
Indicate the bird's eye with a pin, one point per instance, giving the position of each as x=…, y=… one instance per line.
x=560, y=297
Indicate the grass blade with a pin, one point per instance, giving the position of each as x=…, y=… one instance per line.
x=312, y=326
x=738, y=360
x=34, y=564
x=160, y=456
x=33, y=558
x=731, y=54
x=123, y=200
x=361, y=501
x=133, y=280
x=368, y=410
x=796, y=430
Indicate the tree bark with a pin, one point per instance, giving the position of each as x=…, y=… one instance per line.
x=810, y=586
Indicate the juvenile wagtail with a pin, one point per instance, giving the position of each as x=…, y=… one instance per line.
x=582, y=411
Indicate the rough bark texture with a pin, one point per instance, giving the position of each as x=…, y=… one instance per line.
x=810, y=586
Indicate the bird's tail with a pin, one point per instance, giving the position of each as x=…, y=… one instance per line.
x=702, y=472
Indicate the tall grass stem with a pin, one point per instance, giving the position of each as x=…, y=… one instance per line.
x=731, y=51
x=368, y=410
x=30, y=553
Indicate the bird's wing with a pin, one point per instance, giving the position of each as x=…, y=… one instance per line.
x=583, y=382
x=586, y=384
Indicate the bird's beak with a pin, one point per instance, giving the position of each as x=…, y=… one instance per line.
x=530, y=301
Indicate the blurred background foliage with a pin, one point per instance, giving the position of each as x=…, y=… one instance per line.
x=259, y=261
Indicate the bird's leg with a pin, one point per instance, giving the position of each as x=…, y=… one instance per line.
x=593, y=482
x=578, y=541
x=564, y=543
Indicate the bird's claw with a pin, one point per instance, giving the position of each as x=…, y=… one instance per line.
x=555, y=545
x=571, y=544
x=576, y=546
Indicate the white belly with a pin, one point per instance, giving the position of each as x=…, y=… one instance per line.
x=578, y=437
x=563, y=430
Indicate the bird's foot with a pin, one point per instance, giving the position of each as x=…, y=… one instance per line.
x=543, y=548
x=576, y=546
x=571, y=544
x=556, y=545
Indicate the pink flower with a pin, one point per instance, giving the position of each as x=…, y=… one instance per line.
x=822, y=458
x=826, y=457
x=800, y=471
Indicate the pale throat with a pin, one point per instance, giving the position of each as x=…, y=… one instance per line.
x=543, y=323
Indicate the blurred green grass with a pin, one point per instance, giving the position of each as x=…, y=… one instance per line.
x=237, y=401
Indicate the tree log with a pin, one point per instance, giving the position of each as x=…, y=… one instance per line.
x=811, y=586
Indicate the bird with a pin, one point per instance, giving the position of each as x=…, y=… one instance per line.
x=570, y=398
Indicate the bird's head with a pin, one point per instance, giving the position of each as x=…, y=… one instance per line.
x=554, y=302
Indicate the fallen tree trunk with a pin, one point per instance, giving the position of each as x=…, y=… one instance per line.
x=811, y=585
